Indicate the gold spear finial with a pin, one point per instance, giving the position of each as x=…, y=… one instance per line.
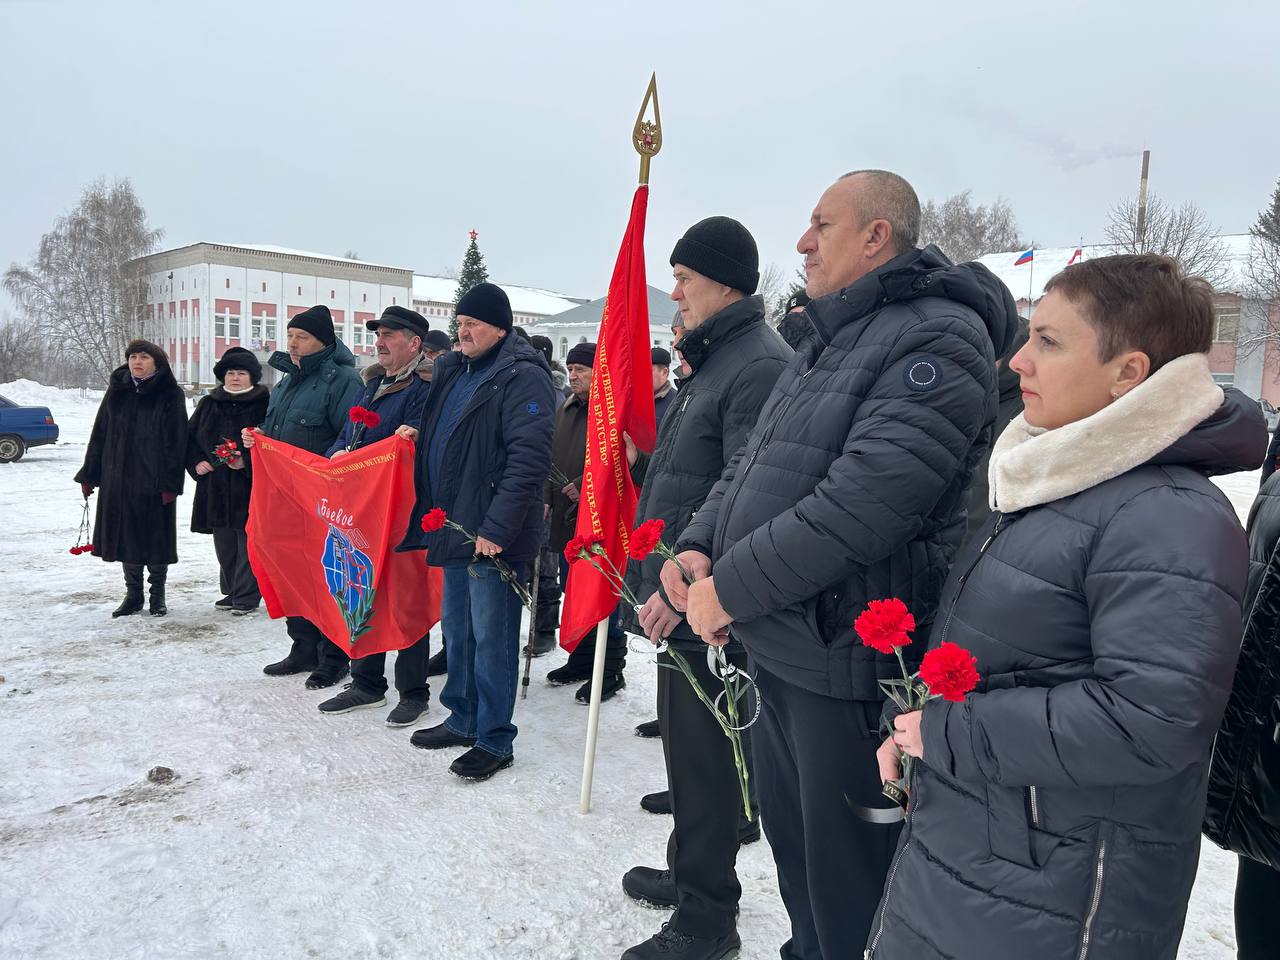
x=646, y=136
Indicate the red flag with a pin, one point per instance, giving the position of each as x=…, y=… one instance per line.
x=322, y=535
x=1075, y=256
x=621, y=401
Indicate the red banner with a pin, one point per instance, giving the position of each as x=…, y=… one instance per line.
x=322, y=536
x=621, y=401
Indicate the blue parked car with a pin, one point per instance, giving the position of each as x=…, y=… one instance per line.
x=22, y=427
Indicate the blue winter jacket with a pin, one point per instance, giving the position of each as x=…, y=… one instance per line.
x=495, y=461
x=400, y=404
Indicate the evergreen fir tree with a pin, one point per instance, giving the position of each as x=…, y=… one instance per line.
x=473, y=273
x=1268, y=226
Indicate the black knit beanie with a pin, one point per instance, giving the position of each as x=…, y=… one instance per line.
x=238, y=358
x=583, y=354
x=722, y=250
x=487, y=302
x=543, y=344
x=317, y=321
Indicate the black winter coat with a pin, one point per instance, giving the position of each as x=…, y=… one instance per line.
x=736, y=360
x=1056, y=812
x=1243, y=813
x=568, y=455
x=1010, y=405
x=496, y=460
x=221, y=499
x=136, y=453
x=851, y=486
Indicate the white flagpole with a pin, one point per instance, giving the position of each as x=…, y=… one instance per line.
x=1031, y=276
x=593, y=715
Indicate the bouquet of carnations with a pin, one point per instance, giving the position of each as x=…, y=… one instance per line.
x=361, y=419
x=82, y=537
x=226, y=453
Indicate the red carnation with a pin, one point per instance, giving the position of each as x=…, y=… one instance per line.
x=644, y=538
x=574, y=549
x=74, y=551
x=371, y=419
x=884, y=625
x=433, y=520
x=88, y=548
x=949, y=671
x=358, y=414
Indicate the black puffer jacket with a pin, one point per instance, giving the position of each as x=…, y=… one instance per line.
x=222, y=497
x=736, y=360
x=851, y=486
x=135, y=455
x=978, y=509
x=1056, y=813
x=1243, y=813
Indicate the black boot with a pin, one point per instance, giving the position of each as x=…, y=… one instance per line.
x=438, y=665
x=132, y=591
x=158, y=574
x=670, y=944
x=650, y=886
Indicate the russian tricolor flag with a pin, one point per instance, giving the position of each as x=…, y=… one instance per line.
x=1025, y=258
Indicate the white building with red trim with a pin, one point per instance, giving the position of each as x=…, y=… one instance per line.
x=206, y=297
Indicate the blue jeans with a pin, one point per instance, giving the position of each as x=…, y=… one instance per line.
x=480, y=615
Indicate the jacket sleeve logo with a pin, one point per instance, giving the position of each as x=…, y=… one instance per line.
x=921, y=374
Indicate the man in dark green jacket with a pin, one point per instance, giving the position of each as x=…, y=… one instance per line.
x=308, y=409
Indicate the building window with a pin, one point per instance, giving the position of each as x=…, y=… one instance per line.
x=227, y=283
x=268, y=328
x=332, y=295
x=299, y=291
x=1226, y=322
x=364, y=298
x=220, y=324
x=393, y=300
x=264, y=286
x=564, y=347
x=233, y=325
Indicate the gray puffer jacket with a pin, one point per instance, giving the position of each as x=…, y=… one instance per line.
x=1056, y=813
x=851, y=486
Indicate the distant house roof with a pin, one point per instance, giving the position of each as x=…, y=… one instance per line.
x=190, y=253
x=523, y=299
x=661, y=310
x=1032, y=277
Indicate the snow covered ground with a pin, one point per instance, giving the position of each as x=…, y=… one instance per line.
x=289, y=834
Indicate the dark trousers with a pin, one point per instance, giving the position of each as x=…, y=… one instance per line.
x=547, y=616
x=1257, y=911
x=615, y=651
x=814, y=757
x=235, y=576
x=370, y=673
x=311, y=647
x=706, y=799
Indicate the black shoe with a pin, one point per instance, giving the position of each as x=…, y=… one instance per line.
x=157, y=607
x=352, y=698
x=287, y=667
x=659, y=802
x=477, y=765
x=569, y=673
x=321, y=678
x=131, y=604
x=648, y=729
x=543, y=643
x=670, y=944
x=437, y=666
x=439, y=737
x=613, y=682
x=749, y=830
x=653, y=888
x=243, y=611
x=223, y=604
x=406, y=712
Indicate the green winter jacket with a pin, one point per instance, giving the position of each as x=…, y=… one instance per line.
x=309, y=406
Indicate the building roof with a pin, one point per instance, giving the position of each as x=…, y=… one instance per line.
x=1048, y=261
x=661, y=310
x=287, y=251
x=523, y=299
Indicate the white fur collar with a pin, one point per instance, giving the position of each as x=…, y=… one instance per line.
x=1030, y=466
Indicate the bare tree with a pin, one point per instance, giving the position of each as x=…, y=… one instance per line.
x=351, y=255
x=965, y=230
x=20, y=353
x=83, y=289
x=773, y=290
x=1184, y=233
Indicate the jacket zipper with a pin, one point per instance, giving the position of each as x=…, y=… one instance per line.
x=1099, y=872
x=1034, y=800
x=869, y=953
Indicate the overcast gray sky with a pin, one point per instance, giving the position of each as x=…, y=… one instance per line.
x=394, y=128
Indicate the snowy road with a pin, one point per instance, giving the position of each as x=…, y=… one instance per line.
x=289, y=834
